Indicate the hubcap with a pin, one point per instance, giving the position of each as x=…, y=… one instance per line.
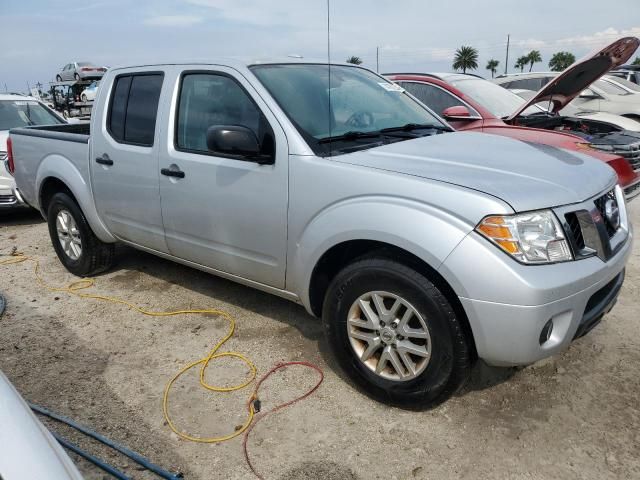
x=68, y=235
x=389, y=336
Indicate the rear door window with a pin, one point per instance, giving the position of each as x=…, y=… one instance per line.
x=134, y=107
x=433, y=97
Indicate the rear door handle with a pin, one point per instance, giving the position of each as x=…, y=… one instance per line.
x=172, y=173
x=104, y=160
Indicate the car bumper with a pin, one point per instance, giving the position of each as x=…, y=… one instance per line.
x=574, y=296
x=10, y=198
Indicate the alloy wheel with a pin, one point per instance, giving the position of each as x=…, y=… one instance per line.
x=389, y=336
x=69, y=235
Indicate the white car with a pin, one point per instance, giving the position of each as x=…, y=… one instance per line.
x=89, y=93
x=28, y=451
x=600, y=95
x=624, y=123
x=18, y=111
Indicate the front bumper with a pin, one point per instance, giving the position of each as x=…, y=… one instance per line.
x=509, y=304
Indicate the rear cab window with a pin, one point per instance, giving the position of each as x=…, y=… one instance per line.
x=134, y=107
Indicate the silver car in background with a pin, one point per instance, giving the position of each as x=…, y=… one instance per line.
x=80, y=71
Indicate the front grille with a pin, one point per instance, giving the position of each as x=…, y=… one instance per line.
x=7, y=199
x=631, y=153
x=575, y=230
x=600, y=205
x=632, y=191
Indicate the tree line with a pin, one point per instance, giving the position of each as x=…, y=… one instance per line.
x=466, y=58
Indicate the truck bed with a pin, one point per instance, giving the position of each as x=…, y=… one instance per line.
x=50, y=151
x=71, y=132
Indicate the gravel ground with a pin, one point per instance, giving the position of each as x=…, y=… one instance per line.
x=575, y=416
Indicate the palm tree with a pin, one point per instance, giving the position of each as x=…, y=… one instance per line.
x=466, y=58
x=521, y=62
x=355, y=60
x=493, y=66
x=534, y=57
x=561, y=60
x=636, y=61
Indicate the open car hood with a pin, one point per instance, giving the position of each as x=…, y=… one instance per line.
x=568, y=85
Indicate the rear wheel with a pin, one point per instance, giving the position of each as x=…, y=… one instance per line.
x=395, y=334
x=77, y=247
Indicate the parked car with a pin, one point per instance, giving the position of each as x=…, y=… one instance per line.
x=622, y=83
x=471, y=103
x=89, y=93
x=27, y=448
x=18, y=111
x=630, y=73
x=616, y=122
x=421, y=248
x=599, y=96
x=80, y=71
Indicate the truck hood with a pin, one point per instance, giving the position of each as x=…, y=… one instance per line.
x=525, y=175
x=568, y=85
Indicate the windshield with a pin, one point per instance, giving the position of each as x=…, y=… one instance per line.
x=359, y=102
x=498, y=100
x=610, y=88
x=626, y=83
x=22, y=113
x=84, y=64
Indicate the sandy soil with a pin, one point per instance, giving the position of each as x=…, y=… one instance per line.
x=575, y=416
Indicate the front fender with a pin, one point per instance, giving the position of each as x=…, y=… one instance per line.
x=425, y=231
x=59, y=167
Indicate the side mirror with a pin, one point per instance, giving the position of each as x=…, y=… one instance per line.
x=235, y=140
x=459, y=112
x=588, y=94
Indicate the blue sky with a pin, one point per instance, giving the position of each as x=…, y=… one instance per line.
x=39, y=36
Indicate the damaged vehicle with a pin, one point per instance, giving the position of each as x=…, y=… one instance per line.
x=468, y=102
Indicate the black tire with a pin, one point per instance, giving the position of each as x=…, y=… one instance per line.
x=450, y=363
x=96, y=256
x=58, y=78
x=83, y=98
x=76, y=76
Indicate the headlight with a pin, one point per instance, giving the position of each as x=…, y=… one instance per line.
x=533, y=237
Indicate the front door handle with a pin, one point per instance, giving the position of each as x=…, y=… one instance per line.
x=104, y=160
x=172, y=173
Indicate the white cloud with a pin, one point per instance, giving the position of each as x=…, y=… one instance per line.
x=531, y=44
x=173, y=20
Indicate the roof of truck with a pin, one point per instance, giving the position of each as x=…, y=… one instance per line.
x=238, y=62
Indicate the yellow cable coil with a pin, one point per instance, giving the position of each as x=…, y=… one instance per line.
x=75, y=288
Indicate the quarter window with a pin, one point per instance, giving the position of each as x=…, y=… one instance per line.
x=134, y=107
x=214, y=99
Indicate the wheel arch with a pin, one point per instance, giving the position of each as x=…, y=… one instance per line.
x=57, y=174
x=341, y=254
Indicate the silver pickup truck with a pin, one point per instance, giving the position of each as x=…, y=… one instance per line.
x=421, y=249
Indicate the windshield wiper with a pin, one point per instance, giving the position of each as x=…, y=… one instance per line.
x=351, y=135
x=409, y=127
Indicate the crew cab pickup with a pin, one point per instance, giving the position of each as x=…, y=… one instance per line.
x=421, y=248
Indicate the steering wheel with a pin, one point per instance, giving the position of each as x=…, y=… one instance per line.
x=360, y=119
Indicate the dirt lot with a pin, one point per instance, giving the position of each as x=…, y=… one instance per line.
x=573, y=416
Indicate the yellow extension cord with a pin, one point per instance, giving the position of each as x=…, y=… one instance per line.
x=75, y=288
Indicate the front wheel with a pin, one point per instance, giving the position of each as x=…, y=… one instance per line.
x=395, y=334
x=77, y=247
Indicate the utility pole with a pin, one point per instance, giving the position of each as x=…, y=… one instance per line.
x=377, y=59
x=506, y=62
